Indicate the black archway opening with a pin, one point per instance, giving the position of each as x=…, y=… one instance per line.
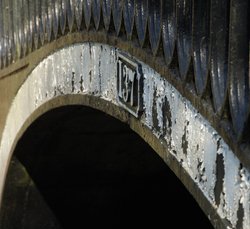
x=92, y=171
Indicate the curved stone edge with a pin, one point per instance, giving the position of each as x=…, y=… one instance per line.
x=91, y=69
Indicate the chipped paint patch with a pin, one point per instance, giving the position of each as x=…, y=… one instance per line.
x=91, y=69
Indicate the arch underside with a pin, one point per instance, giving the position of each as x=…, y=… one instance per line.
x=110, y=80
x=79, y=166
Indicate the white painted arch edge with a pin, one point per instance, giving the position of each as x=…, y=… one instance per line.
x=91, y=69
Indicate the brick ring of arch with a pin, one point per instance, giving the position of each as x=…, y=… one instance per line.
x=113, y=81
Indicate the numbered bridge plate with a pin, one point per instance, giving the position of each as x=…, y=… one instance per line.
x=129, y=84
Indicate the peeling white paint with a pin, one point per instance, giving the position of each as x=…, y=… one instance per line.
x=231, y=186
x=91, y=69
x=147, y=97
x=199, y=158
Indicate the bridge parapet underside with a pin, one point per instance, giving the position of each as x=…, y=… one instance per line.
x=181, y=68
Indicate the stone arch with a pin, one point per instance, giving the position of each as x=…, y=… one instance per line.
x=79, y=166
x=88, y=73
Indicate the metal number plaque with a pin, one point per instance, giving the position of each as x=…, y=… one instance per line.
x=129, y=84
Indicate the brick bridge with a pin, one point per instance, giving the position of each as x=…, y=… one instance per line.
x=176, y=73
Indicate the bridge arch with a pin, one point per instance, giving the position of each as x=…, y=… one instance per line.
x=108, y=79
x=93, y=170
